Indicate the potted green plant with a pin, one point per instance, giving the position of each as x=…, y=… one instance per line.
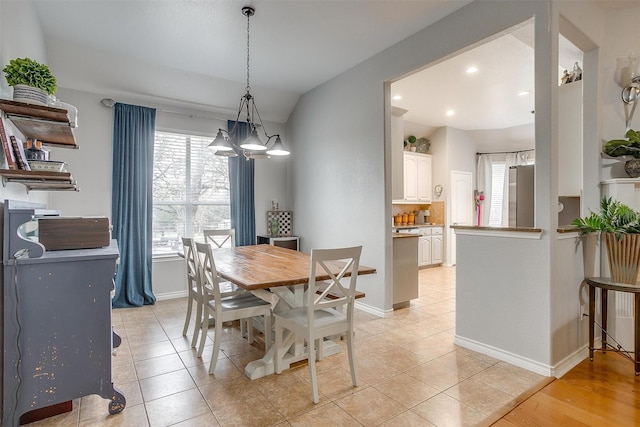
x=32, y=82
x=411, y=142
x=626, y=147
x=619, y=225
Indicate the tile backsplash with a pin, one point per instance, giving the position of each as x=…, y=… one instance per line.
x=436, y=210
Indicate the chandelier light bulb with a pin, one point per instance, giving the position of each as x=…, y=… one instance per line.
x=278, y=148
x=253, y=143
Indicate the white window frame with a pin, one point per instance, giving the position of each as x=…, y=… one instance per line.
x=187, y=203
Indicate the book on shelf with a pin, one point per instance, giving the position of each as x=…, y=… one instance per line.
x=6, y=146
x=18, y=151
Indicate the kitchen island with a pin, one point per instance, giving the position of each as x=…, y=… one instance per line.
x=405, y=269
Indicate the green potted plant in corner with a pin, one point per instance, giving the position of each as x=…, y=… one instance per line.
x=619, y=225
x=411, y=142
x=626, y=147
x=32, y=82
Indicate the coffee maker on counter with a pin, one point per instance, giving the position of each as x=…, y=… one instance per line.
x=422, y=217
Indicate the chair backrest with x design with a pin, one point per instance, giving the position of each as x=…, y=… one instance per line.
x=336, y=263
x=188, y=249
x=220, y=238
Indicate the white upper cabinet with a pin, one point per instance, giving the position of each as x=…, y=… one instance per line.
x=397, y=139
x=570, y=139
x=417, y=177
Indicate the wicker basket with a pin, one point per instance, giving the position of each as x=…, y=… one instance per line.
x=624, y=257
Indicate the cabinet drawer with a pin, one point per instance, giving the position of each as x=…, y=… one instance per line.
x=436, y=230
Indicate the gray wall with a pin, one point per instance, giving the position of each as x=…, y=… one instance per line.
x=342, y=123
x=340, y=135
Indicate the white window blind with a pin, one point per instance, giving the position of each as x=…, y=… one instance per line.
x=497, y=193
x=190, y=190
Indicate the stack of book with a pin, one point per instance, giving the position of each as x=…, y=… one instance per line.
x=17, y=164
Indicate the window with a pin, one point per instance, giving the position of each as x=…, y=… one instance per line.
x=497, y=193
x=190, y=190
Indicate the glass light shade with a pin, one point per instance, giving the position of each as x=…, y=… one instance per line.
x=256, y=156
x=220, y=143
x=253, y=142
x=278, y=148
x=226, y=153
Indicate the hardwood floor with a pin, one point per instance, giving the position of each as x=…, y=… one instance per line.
x=604, y=392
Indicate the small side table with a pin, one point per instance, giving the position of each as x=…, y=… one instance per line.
x=289, y=242
x=605, y=284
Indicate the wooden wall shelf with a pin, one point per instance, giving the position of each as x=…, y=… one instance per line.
x=38, y=180
x=48, y=124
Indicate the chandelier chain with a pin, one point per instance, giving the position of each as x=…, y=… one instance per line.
x=248, y=32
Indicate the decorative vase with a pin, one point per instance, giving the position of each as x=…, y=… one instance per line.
x=412, y=148
x=624, y=257
x=632, y=168
x=30, y=95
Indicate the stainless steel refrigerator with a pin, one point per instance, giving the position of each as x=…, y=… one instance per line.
x=521, y=196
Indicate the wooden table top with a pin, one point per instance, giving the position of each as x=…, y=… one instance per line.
x=267, y=266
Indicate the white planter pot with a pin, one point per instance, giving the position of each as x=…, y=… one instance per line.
x=30, y=95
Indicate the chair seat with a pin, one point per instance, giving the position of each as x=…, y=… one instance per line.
x=240, y=301
x=321, y=317
x=226, y=288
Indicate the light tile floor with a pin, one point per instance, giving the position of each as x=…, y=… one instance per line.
x=410, y=373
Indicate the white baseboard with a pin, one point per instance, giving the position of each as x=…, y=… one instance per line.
x=514, y=359
x=374, y=310
x=571, y=361
x=556, y=371
x=171, y=295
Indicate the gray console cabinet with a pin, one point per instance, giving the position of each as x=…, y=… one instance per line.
x=57, y=334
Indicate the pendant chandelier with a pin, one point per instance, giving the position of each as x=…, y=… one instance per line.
x=226, y=143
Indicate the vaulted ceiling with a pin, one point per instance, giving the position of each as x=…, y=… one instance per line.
x=193, y=53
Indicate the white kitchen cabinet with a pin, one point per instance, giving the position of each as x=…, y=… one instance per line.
x=424, y=251
x=570, y=139
x=397, y=139
x=430, y=246
x=417, y=177
x=437, y=245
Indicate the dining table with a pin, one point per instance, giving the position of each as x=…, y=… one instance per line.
x=277, y=275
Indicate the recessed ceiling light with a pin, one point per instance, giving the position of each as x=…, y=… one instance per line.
x=397, y=97
x=523, y=93
x=450, y=112
x=472, y=70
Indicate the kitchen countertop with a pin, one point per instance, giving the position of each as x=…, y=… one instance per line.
x=400, y=227
x=404, y=235
x=475, y=227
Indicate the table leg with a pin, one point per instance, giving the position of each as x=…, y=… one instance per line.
x=290, y=297
x=592, y=315
x=636, y=329
x=604, y=305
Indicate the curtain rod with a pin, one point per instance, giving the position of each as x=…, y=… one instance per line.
x=109, y=103
x=507, y=152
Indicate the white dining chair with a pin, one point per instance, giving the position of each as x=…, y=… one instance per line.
x=220, y=238
x=225, y=309
x=225, y=238
x=196, y=294
x=320, y=317
x=188, y=250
